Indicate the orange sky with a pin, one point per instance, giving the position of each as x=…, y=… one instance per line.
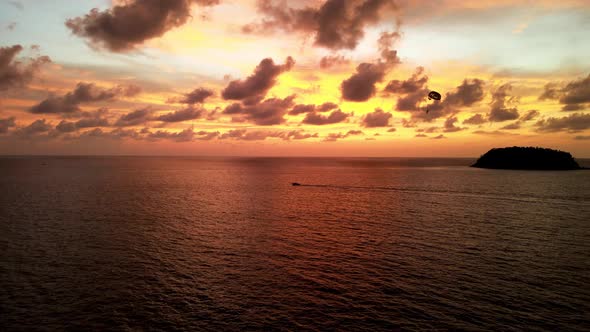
x=293, y=78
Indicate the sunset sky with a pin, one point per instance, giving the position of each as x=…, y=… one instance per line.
x=293, y=77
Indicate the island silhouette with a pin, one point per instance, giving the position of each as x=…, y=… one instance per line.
x=527, y=158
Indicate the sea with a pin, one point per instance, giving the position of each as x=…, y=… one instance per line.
x=229, y=244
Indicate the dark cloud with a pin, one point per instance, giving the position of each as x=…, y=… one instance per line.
x=361, y=86
x=186, y=135
x=6, y=123
x=261, y=135
x=336, y=24
x=134, y=118
x=329, y=61
x=501, y=100
x=301, y=109
x=573, y=123
x=512, y=126
x=325, y=107
x=92, y=122
x=582, y=138
x=196, y=96
x=408, y=123
x=259, y=83
x=319, y=119
x=467, y=94
x=421, y=135
x=95, y=120
x=66, y=127
x=125, y=26
x=441, y=136
x=35, y=128
x=503, y=114
x=411, y=102
x=530, y=115
x=391, y=130
x=574, y=96
x=121, y=133
x=333, y=137
x=266, y=113
x=493, y=133
x=412, y=85
x=309, y=108
x=18, y=73
x=428, y=130
x=378, y=118
x=476, y=119
x=450, y=127
x=299, y=135
x=11, y=26
x=189, y=113
x=83, y=93
x=551, y=91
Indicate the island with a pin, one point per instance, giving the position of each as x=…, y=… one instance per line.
x=527, y=158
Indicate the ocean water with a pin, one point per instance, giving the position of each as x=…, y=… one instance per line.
x=227, y=244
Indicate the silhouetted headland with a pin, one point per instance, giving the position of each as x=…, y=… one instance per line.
x=527, y=158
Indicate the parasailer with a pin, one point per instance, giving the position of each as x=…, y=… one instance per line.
x=433, y=95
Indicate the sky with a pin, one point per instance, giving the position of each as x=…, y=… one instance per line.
x=293, y=78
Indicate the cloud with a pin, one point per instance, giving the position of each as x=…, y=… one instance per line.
x=319, y=120
x=266, y=113
x=330, y=61
x=66, y=127
x=301, y=109
x=467, y=94
x=11, y=26
x=336, y=24
x=574, y=96
x=450, y=127
x=361, y=85
x=441, y=136
x=186, y=135
x=476, y=119
x=125, y=26
x=408, y=123
x=333, y=137
x=83, y=93
x=499, y=106
x=493, y=133
x=391, y=130
x=414, y=84
x=6, y=123
x=551, y=91
x=378, y=118
x=261, y=135
x=421, y=135
x=582, y=138
x=34, y=129
x=572, y=123
x=309, y=108
x=134, y=118
x=259, y=83
x=530, y=115
x=512, y=126
x=196, y=96
x=18, y=73
x=189, y=113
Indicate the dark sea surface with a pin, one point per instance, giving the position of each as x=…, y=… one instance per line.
x=214, y=244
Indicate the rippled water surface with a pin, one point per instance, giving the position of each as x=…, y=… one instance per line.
x=229, y=244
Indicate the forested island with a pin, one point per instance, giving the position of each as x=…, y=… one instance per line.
x=527, y=158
